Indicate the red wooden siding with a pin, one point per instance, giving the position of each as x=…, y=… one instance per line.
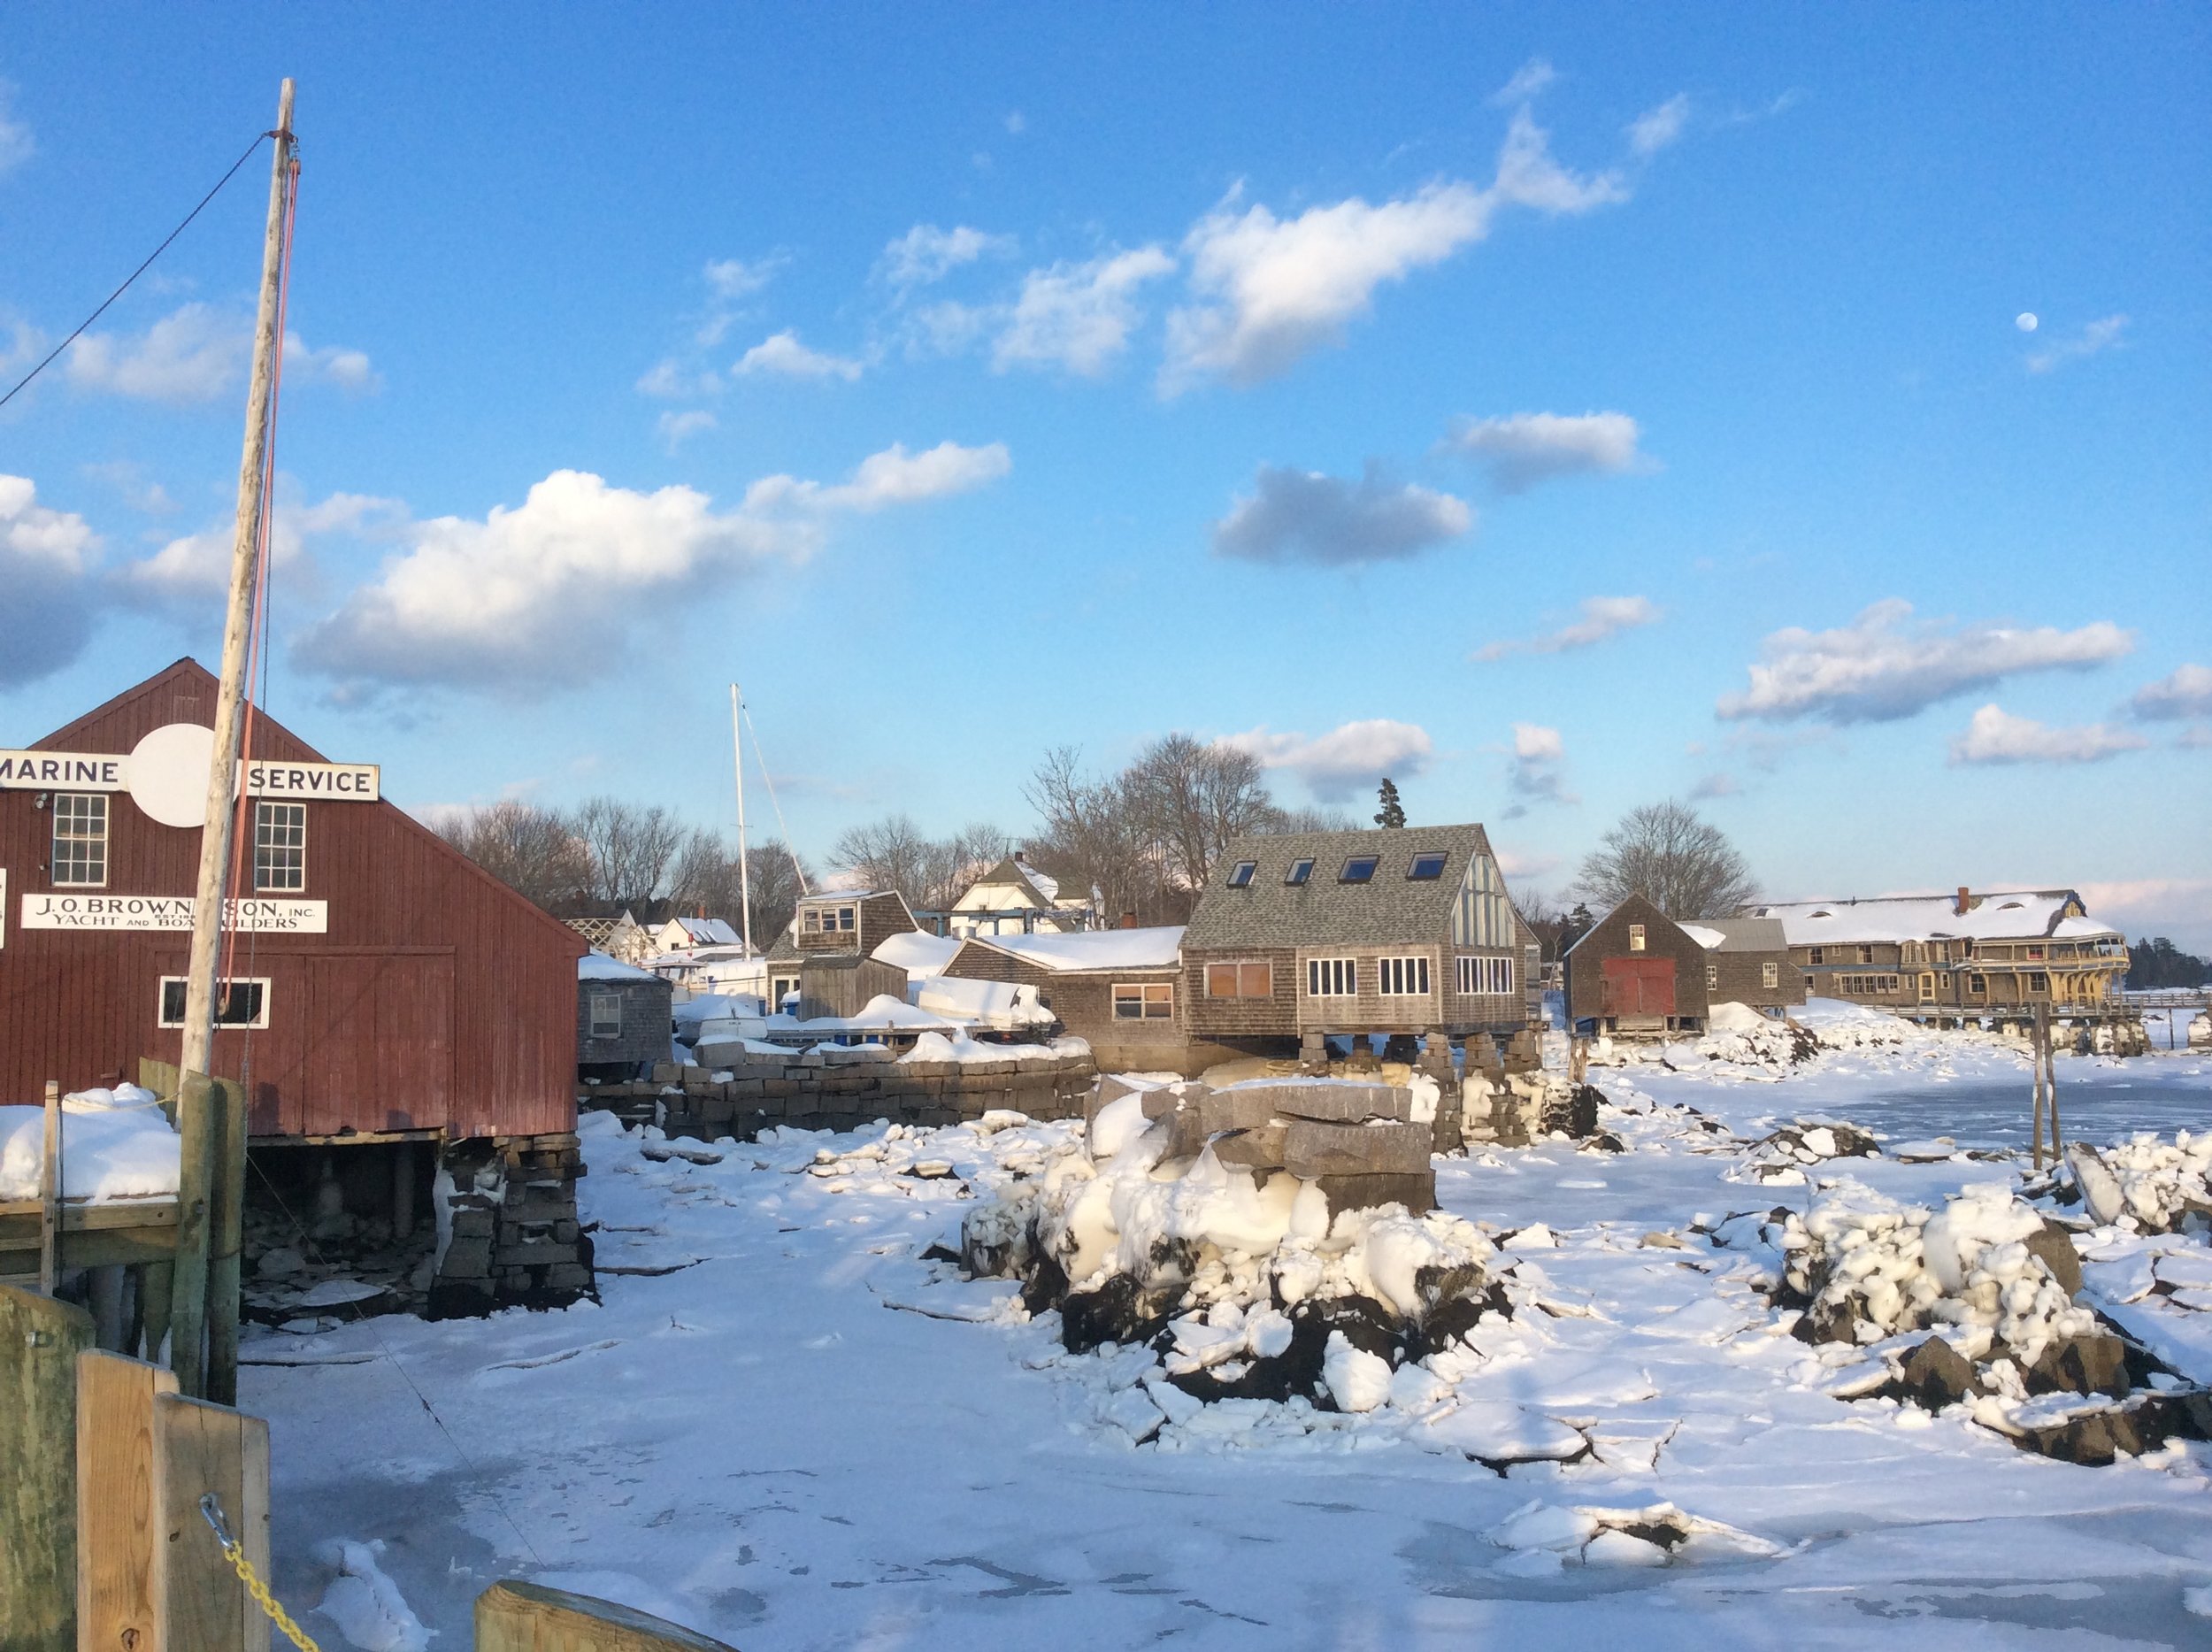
x=1640, y=986
x=439, y=998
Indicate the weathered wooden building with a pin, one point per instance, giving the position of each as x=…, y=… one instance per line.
x=1637, y=973
x=1999, y=953
x=1747, y=962
x=1116, y=989
x=1301, y=935
x=379, y=987
x=825, y=955
x=624, y=1017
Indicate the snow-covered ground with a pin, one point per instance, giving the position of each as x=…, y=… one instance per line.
x=789, y=1428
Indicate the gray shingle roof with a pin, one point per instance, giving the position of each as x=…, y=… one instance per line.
x=1747, y=934
x=1323, y=911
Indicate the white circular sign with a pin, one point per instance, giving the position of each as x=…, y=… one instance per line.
x=169, y=771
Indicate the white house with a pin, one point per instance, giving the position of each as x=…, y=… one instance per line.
x=679, y=935
x=1015, y=898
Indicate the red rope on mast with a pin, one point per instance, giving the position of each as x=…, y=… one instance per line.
x=264, y=534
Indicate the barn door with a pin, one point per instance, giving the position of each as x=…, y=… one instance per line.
x=378, y=1044
x=1638, y=987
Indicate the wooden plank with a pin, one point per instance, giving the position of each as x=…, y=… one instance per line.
x=40, y=1340
x=115, y=1500
x=200, y=1605
x=516, y=1617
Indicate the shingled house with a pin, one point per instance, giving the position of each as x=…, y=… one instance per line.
x=1747, y=962
x=1300, y=935
x=1637, y=973
x=825, y=956
x=1116, y=989
x=1998, y=953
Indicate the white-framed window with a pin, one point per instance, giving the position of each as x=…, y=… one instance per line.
x=606, y=1014
x=1425, y=868
x=1492, y=977
x=827, y=920
x=1402, y=977
x=1712, y=976
x=1977, y=984
x=1241, y=875
x=279, y=847
x=1331, y=978
x=1143, y=1000
x=1770, y=976
x=1240, y=980
x=1866, y=955
x=781, y=987
x=79, y=855
x=1300, y=870
x=241, y=1002
x=1635, y=937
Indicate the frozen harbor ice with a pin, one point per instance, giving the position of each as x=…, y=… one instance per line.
x=789, y=1427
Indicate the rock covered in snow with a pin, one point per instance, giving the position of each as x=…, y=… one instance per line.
x=2146, y=1183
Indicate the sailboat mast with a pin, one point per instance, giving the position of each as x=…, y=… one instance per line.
x=744, y=859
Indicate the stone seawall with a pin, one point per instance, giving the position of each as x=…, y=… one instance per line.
x=839, y=1089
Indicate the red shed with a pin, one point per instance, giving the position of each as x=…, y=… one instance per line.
x=394, y=985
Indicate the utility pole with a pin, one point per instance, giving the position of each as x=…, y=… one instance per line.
x=206, y=1177
x=744, y=862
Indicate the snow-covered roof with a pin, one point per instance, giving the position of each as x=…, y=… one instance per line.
x=1994, y=915
x=984, y=1003
x=1707, y=938
x=706, y=932
x=597, y=966
x=1739, y=935
x=920, y=956
x=1156, y=948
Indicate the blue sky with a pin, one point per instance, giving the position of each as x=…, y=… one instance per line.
x=1560, y=410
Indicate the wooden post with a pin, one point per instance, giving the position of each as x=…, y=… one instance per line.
x=195, y=1174
x=158, y=1284
x=2050, y=1090
x=40, y=1340
x=225, y=1237
x=513, y=1617
x=2035, y=1063
x=199, y=1603
x=115, y=1502
x=198, y=1056
x=49, y=1195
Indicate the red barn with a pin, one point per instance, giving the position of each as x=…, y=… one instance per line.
x=381, y=988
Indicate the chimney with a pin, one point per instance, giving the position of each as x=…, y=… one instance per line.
x=1020, y=859
x=1965, y=904
x=1128, y=921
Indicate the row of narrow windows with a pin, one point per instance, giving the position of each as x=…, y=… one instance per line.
x=78, y=856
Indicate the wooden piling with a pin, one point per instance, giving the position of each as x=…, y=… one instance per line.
x=40, y=1340
x=49, y=1195
x=199, y=1603
x=116, y=1527
x=515, y=1617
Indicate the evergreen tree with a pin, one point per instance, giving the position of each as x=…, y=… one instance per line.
x=1393, y=813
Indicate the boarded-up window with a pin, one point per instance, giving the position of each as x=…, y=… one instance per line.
x=1240, y=980
x=1331, y=978
x=606, y=1014
x=1143, y=1000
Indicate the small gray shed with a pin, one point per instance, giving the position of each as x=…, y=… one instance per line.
x=624, y=1015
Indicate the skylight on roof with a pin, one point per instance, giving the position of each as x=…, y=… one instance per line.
x=1241, y=875
x=1300, y=870
x=1358, y=869
x=1425, y=868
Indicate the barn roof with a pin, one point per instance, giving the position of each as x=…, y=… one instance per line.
x=1324, y=910
x=1155, y=948
x=1740, y=934
x=1644, y=907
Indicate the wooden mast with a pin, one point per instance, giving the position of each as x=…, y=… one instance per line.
x=204, y=1141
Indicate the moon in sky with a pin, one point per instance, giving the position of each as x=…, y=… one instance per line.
x=2025, y=321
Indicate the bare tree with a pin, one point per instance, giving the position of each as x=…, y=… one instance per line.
x=1090, y=831
x=633, y=849
x=776, y=876
x=1313, y=820
x=1665, y=852
x=1192, y=798
x=531, y=849
x=891, y=854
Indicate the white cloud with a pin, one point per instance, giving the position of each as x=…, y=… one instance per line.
x=892, y=477
x=193, y=354
x=557, y=586
x=44, y=557
x=1720, y=783
x=782, y=354
x=2186, y=693
x=1348, y=759
x=927, y=253
x=1538, y=771
x=675, y=428
x=1078, y=316
x=1303, y=516
x=2180, y=908
x=1526, y=449
x=1016, y=123
x=1603, y=617
x=16, y=144
x=1529, y=80
x=1997, y=736
x=1878, y=669
x=335, y=364
x=732, y=279
x=1656, y=128
x=2098, y=336
x=189, y=575
x=1266, y=290
x=669, y=380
